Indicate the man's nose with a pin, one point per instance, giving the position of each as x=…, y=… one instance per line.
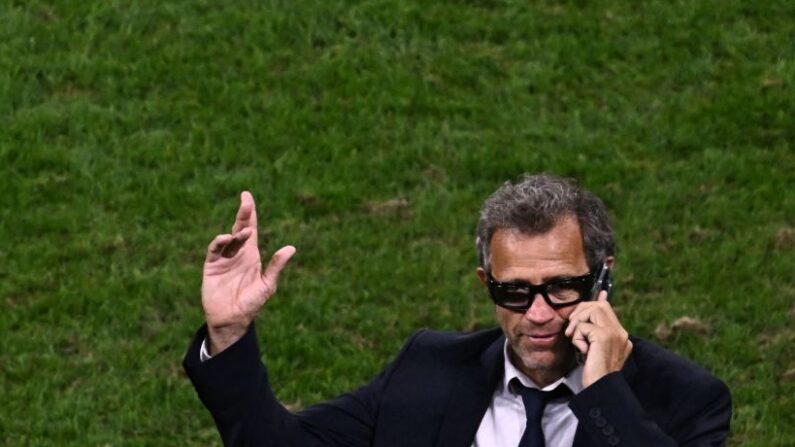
x=539, y=311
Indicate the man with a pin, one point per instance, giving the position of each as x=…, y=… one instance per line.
x=561, y=369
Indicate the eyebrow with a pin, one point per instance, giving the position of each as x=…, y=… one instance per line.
x=544, y=280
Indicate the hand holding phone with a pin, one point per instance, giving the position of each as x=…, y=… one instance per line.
x=601, y=341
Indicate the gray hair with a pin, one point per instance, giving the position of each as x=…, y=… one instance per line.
x=535, y=205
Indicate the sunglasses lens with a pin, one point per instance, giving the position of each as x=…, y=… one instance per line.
x=567, y=292
x=513, y=297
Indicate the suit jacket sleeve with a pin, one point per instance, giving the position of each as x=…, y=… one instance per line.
x=234, y=387
x=610, y=414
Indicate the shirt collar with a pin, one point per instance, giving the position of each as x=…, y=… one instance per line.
x=573, y=379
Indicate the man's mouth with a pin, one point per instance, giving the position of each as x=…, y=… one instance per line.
x=542, y=340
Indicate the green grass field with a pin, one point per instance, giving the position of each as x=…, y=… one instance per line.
x=370, y=132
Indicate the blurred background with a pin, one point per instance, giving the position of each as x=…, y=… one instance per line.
x=369, y=133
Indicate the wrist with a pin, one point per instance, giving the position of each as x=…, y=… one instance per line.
x=221, y=337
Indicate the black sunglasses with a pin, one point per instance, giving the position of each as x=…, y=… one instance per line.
x=519, y=295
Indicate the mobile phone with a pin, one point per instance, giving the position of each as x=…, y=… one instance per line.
x=603, y=282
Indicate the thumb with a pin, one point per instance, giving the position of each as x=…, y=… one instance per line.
x=275, y=266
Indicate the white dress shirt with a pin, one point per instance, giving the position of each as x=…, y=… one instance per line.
x=204, y=354
x=505, y=420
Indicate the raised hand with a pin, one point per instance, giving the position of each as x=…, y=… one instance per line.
x=596, y=332
x=234, y=286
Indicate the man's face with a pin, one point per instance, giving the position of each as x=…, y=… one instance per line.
x=539, y=347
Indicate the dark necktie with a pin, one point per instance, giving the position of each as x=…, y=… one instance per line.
x=534, y=402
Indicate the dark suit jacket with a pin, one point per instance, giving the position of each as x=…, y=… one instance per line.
x=436, y=391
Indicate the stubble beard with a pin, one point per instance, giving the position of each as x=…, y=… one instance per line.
x=558, y=360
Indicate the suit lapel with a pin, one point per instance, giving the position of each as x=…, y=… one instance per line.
x=470, y=398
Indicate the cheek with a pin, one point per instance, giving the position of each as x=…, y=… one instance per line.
x=565, y=312
x=507, y=319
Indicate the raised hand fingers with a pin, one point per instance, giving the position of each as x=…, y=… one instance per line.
x=246, y=214
x=227, y=245
x=270, y=276
x=237, y=242
x=216, y=247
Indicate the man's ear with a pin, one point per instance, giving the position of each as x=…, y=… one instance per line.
x=610, y=261
x=481, y=275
